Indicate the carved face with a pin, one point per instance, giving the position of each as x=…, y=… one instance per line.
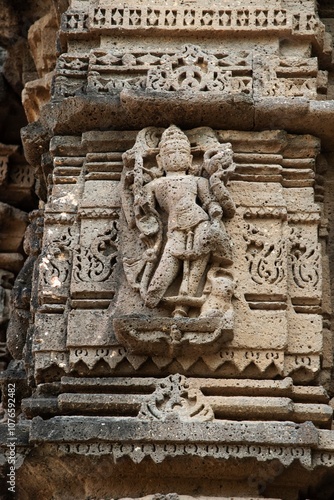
x=177, y=160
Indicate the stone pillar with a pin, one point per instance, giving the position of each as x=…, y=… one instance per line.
x=178, y=336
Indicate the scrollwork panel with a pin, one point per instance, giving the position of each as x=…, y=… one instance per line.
x=56, y=263
x=95, y=259
x=304, y=259
x=266, y=257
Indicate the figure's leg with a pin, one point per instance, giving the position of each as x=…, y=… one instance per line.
x=198, y=266
x=166, y=271
x=197, y=270
x=194, y=269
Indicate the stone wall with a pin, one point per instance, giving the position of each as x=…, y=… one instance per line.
x=167, y=253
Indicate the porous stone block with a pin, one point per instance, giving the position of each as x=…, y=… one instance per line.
x=88, y=327
x=101, y=194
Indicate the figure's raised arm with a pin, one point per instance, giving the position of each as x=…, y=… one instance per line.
x=218, y=162
x=223, y=196
x=209, y=204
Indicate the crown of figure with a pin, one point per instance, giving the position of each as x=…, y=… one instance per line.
x=174, y=139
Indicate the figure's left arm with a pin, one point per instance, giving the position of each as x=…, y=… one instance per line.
x=222, y=195
x=210, y=205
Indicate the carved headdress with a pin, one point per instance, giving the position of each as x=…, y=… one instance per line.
x=174, y=139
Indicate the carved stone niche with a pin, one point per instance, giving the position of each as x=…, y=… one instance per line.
x=176, y=252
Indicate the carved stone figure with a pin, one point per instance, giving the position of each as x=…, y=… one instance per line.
x=178, y=213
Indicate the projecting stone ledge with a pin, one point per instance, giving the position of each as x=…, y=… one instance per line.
x=175, y=336
x=75, y=115
x=136, y=439
x=95, y=442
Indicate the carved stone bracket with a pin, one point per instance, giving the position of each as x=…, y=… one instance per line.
x=173, y=336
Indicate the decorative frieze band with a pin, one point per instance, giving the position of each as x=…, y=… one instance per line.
x=285, y=441
x=237, y=360
x=191, y=68
x=118, y=17
x=137, y=452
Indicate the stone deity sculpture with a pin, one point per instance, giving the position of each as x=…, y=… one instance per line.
x=178, y=213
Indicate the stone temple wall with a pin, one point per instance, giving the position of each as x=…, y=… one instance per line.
x=166, y=249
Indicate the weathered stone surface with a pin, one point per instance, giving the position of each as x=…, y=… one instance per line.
x=71, y=429
x=35, y=95
x=271, y=167
x=174, y=312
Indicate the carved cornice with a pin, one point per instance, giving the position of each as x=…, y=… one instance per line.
x=101, y=17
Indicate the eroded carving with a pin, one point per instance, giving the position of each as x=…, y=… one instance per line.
x=289, y=77
x=55, y=267
x=265, y=259
x=285, y=454
x=305, y=261
x=178, y=213
x=190, y=68
x=24, y=301
x=5, y=153
x=195, y=69
x=168, y=16
x=173, y=205
x=96, y=264
x=174, y=396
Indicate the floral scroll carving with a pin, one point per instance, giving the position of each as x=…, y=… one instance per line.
x=96, y=263
x=290, y=257
x=305, y=261
x=194, y=69
x=56, y=264
x=265, y=259
x=174, y=396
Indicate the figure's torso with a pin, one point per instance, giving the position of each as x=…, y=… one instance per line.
x=177, y=196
